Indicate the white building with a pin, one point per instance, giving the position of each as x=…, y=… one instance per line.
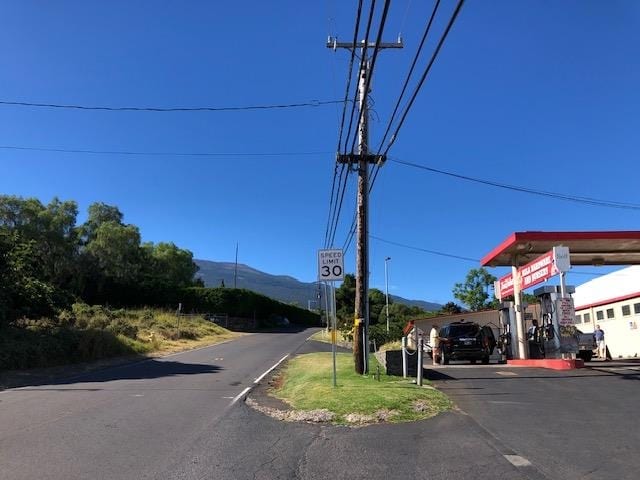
x=613, y=302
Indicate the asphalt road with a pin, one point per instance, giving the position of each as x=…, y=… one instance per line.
x=181, y=417
x=133, y=421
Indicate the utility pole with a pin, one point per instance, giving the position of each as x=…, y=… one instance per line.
x=362, y=160
x=235, y=272
x=386, y=288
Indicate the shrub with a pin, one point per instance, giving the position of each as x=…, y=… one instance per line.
x=245, y=304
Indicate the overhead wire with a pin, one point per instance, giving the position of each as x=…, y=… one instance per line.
x=362, y=60
x=407, y=108
x=350, y=71
x=559, y=196
x=432, y=252
x=337, y=216
x=416, y=57
x=161, y=154
x=374, y=56
x=311, y=103
x=334, y=210
x=404, y=88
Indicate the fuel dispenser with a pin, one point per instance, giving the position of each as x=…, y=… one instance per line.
x=507, y=340
x=555, y=336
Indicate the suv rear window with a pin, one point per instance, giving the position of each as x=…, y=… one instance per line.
x=463, y=330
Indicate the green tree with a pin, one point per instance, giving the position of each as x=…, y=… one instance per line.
x=377, y=304
x=474, y=291
x=22, y=292
x=98, y=214
x=51, y=228
x=166, y=268
x=451, y=308
x=346, y=302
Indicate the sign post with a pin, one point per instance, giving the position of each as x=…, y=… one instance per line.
x=331, y=269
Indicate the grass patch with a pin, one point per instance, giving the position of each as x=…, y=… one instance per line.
x=324, y=336
x=89, y=333
x=306, y=383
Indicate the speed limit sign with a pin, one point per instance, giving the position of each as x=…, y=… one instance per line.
x=330, y=265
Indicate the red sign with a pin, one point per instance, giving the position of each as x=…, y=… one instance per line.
x=505, y=286
x=538, y=271
x=533, y=273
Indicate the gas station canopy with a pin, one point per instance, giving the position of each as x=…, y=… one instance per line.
x=586, y=248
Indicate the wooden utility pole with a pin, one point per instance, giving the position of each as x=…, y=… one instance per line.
x=362, y=159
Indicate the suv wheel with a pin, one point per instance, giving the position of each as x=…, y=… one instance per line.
x=445, y=358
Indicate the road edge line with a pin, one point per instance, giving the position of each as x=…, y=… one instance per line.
x=257, y=380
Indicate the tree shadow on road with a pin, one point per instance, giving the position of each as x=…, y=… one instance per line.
x=137, y=370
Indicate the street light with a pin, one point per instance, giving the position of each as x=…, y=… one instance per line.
x=386, y=287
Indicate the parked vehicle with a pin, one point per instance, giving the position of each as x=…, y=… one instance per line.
x=586, y=345
x=466, y=341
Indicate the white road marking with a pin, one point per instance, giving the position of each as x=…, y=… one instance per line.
x=507, y=402
x=265, y=373
x=518, y=461
x=240, y=395
x=508, y=374
x=137, y=395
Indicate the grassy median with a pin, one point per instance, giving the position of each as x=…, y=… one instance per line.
x=306, y=384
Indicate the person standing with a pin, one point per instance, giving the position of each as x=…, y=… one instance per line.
x=434, y=342
x=601, y=347
x=533, y=339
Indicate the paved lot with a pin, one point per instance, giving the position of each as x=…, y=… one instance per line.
x=568, y=424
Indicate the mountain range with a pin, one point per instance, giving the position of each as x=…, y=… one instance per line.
x=280, y=287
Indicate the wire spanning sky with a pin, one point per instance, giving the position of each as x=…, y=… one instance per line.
x=535, y=94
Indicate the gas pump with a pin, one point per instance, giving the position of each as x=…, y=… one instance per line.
x=507, y=340
x=553, y=337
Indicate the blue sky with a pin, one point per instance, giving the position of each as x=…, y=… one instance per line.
x=540, y=94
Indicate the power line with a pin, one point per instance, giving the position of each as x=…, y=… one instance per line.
x=433, y=252
x=312, y=103
x=404, y=87
x=559, y=196
x=376, y=50
x=362, y=60
x=410, y=73
x=331, y=206
x=342, y=188
x=424, y=74
x=350, y=74
x=162, y=154
x=332, y=225
x=333, y=213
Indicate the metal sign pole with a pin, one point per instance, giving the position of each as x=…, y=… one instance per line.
x=334, y=333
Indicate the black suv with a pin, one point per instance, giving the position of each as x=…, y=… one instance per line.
x=466, y=341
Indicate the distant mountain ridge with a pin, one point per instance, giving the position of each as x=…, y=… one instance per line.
x=281, y=287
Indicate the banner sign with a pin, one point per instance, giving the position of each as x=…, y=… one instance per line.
x=504, y=287
x=539, y=270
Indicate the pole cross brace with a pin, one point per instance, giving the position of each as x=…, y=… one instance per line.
x=354, y=158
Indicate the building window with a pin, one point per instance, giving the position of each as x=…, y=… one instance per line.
x=587, y=317
x=610, y=313
x=626, y=310
x=578, y=318
x=636, y=308
x=600, y=315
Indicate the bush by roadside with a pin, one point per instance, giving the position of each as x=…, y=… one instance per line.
x=88, y=333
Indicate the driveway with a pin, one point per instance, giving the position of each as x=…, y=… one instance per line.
x=578, y=424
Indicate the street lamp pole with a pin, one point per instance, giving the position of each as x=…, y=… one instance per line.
x=386, y=288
